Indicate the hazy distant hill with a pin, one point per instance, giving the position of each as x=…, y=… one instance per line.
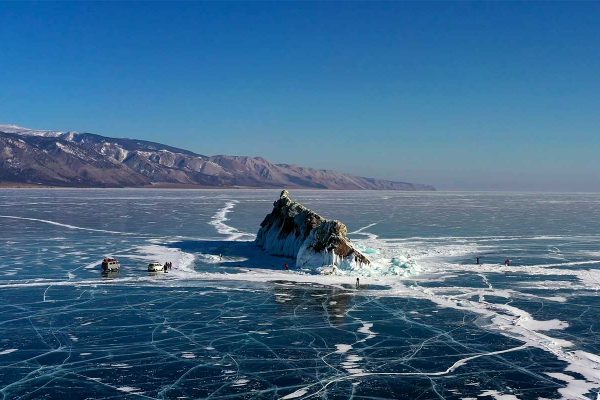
x=87, y=160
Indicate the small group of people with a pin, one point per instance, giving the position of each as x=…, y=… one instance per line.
x=168, y=265
x=507, y=262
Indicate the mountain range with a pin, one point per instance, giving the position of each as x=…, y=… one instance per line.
x=72, y=159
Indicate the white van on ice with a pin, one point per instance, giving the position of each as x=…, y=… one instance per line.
x=155, y=266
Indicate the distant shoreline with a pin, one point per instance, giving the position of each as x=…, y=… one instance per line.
x=4, y=185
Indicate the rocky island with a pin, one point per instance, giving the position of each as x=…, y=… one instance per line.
x=294, y=231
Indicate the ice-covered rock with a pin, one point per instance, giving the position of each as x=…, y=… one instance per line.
x=293, y=230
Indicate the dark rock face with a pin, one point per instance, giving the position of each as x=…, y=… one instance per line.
x=85, y=159
x=295, y=231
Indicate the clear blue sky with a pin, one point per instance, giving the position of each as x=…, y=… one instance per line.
x=491, y=95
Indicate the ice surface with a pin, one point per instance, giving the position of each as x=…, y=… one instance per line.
x=228, y=321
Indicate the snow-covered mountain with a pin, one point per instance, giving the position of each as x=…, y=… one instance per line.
x=29, y=156
x=30, y=132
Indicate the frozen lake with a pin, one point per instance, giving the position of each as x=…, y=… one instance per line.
x=229, y=322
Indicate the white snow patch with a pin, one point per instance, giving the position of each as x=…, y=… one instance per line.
x=343, y=348
x=297, y=393
x=497, y=395
x=128, y=389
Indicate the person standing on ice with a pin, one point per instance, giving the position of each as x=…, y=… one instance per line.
x=357, y=283
x=286, y=267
